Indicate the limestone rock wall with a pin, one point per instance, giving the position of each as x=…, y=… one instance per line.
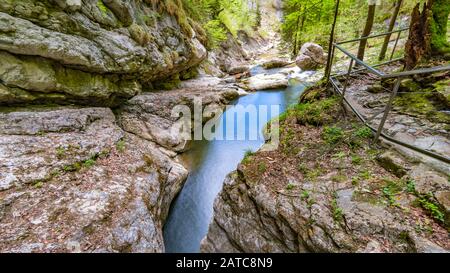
x=91, y=51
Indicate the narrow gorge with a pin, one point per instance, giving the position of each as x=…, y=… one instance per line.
x=93, y=159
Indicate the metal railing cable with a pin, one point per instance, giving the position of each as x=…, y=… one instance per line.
x=398, y=76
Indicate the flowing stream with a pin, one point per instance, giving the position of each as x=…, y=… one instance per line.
x=209, y=163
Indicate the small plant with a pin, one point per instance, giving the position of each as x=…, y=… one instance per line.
x=39, y=184
x=356, y=160
x=411, y=186
x=333, y=135
x=290, y=186
x=313, y=174
x=247, y=156
x=391, y=189
x=262, y=167
x=340, y=155
x=426, y=203
x=355, y=181
x=364, y=132
x=60, y=152
x=120, y=145
x=339, y=178
x=387, y=192
x=423, y=227
x=72, y=167
x=303, y=168
x=338, y=214
x=305, y=195
x=89, y=163
x=365, y=175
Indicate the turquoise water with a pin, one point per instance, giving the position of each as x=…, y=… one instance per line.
x=210, y=162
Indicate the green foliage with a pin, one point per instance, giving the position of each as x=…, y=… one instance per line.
x=315, y=113
x=247, y=156
x=364, y=132
x=290, y=186
x=217, y=17
x=305, y=195
x=427, y=203
x=60, y=152
x=120, y=145
x=391, y=189
x=338, y=214
x=216, y=33
x=365, y=175
x=333, y=135
x=89, y=163
x=439, y=37
x=262, y=167
x=311, y=20
x=411, y=186
x=357, y=160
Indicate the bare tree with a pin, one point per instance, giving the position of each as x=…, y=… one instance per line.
x=397, y=7
x=330, y=44
x=367, y=29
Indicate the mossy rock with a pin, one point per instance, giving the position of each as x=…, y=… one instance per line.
x=168, y=84
x=424, y=105
x=140, y=34
x=442, y=89
x=409, y=85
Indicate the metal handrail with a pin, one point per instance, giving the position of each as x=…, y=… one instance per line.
x=373, y=36
x=391, y=139
x=398, y=76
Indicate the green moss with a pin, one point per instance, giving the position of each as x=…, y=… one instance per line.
x=442, y=89
x=247, y=156
x=169, y=84
x=439, y=39
x=101, y=6
x=140, y=34
x=421, y=105
x=262, y=167
x=333, y=135
x=189, y=74
x=317, y=113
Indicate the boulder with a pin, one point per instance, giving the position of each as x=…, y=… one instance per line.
x=275, y=63
x=149, y=115
x=265, y=82
x=240, y=69
x=311, y=57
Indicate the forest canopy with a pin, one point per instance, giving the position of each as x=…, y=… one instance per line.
x=219, y=17
x=310, y=20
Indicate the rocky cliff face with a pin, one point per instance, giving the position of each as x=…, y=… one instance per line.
x=92, y=51
x=325, y=190
x=74, y=174
x=72, y=179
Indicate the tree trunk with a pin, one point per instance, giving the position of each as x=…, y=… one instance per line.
x=441, y=11
x=391, y=27
x=367, y=30
x=330, y=44
x=418, y=43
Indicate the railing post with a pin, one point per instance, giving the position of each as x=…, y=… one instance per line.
x=395, y=46
x=328, y=72
x=388, y=109
x=347, y=78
